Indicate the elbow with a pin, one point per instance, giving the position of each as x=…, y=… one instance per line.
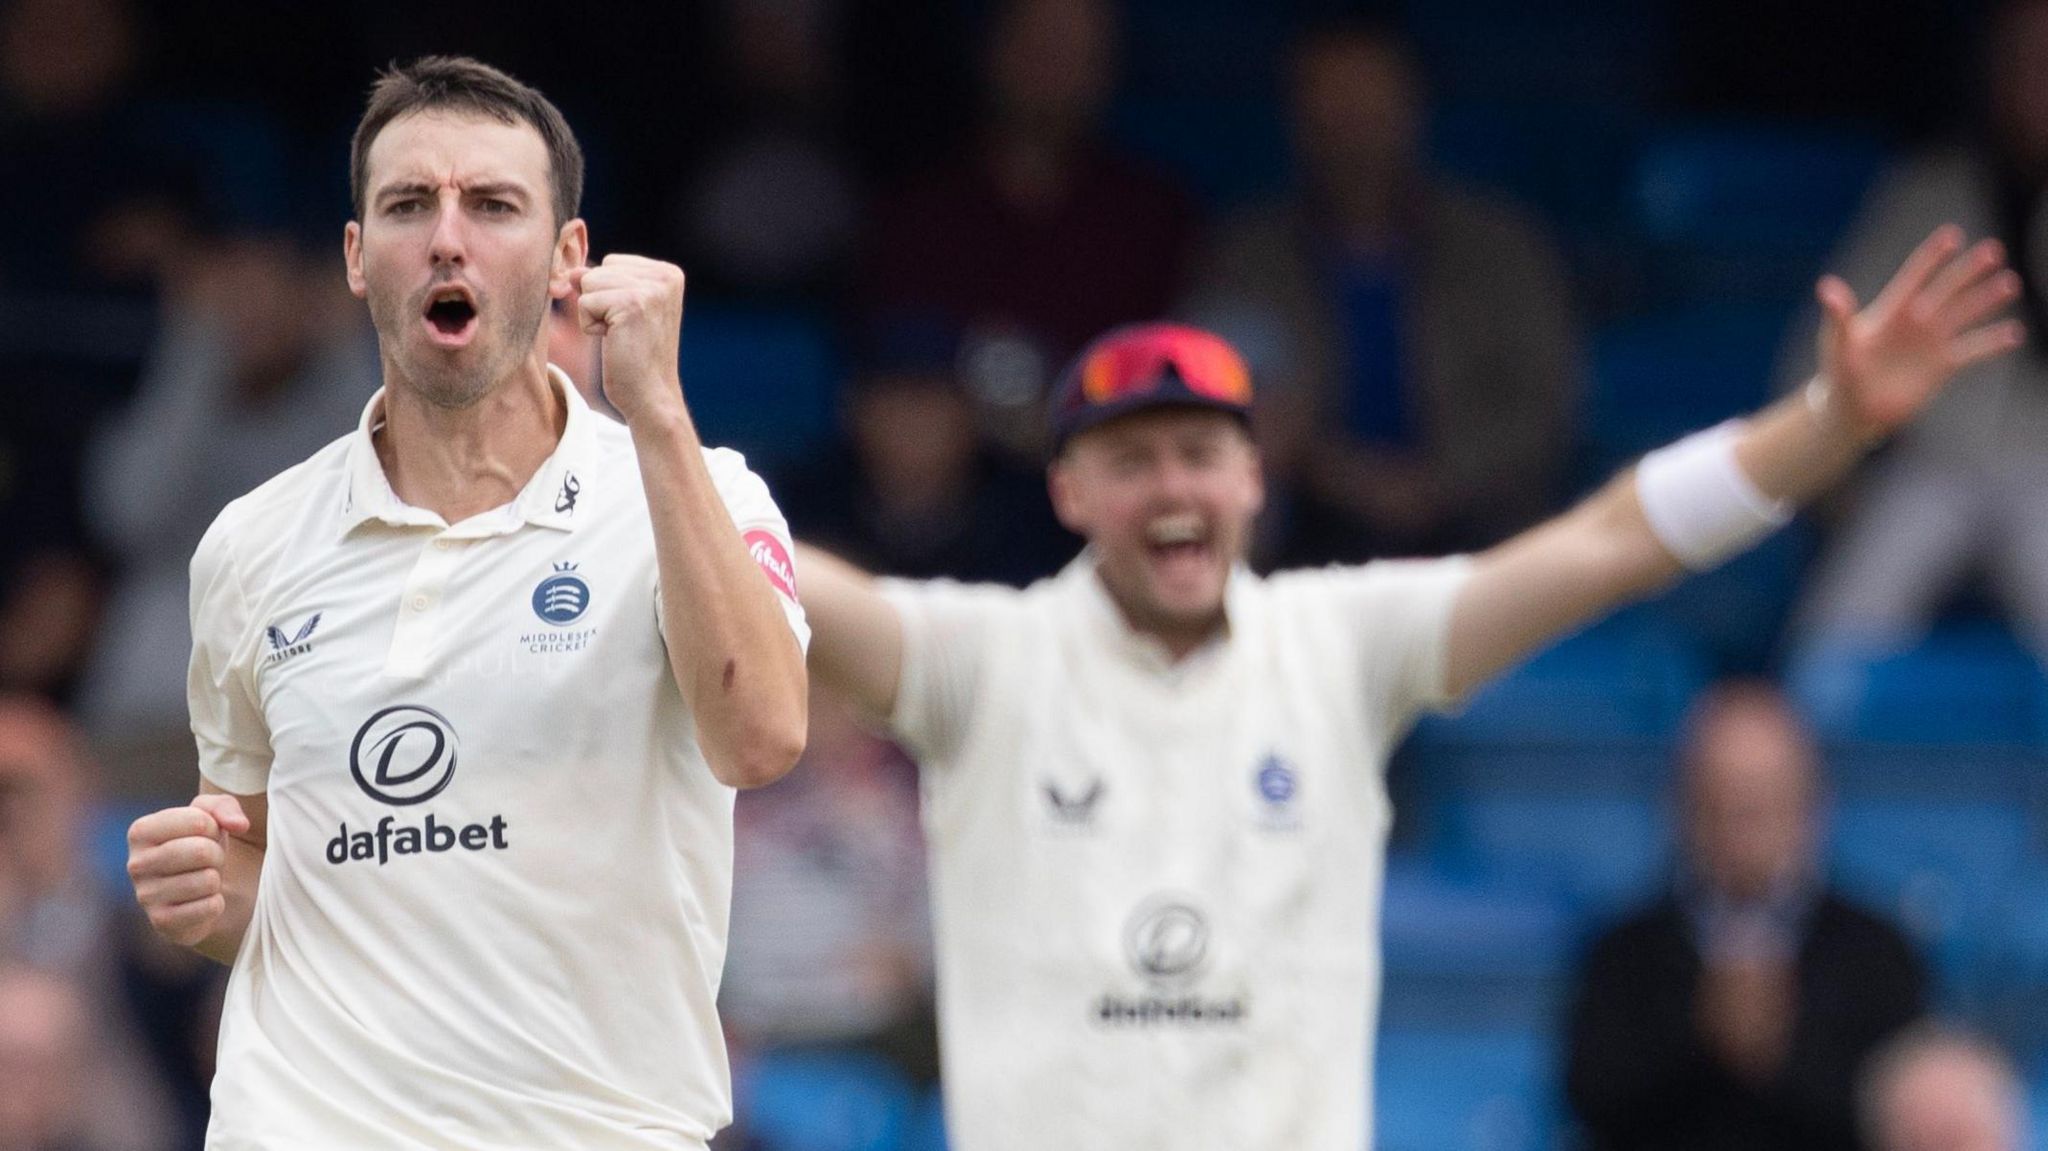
x=762, y=755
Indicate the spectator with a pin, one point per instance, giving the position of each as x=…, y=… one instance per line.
x=774, y=211
x=1043, y=235
x=1963, y=492
x=85, y=233
x=1429, y=326
x=261, y=356
x=912, y=489
x=831, y=948
x=147, y=1008
x=1939, y=1089
x=1738, y=1010
x=45, y=1062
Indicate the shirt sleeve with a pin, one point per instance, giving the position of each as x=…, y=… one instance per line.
x=1400, y=614
x=948, y=635
x=763, y=529
x=227, y=722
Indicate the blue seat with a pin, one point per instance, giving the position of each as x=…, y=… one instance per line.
x=791, y=1101
x=1661, y=376
x=759, y=380
x=1968, y=683
x=1755, y=185
x=1462, y=952
x=1748, y=211
x=1570, y=160
x=1938, y=867
x=1228, y=151
x=1202, y=48
x=1603, y=851
x=927, y=1129
x=1436, y=923
x=106, y=842
x=1510, y=51
x=1737, y=612
x=1627, y=678
x=1478, y=1090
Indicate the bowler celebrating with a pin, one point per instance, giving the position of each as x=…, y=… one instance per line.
x=472, y=688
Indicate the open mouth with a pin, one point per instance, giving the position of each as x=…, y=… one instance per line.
x=1178, y=539
x=451, y=315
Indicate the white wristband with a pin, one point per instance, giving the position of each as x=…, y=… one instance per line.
x=1701, y=506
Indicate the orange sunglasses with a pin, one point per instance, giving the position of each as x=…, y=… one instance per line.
x=1136, y=363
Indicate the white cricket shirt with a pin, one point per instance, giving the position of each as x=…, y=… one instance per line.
x=1156, y=886
x=493, y=905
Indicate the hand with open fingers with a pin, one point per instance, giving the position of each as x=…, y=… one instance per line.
x=177, y=860
x=1882, y=364
x=635, y=306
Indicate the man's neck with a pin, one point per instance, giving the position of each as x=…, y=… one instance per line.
x=1180, y=638
x=461, y=462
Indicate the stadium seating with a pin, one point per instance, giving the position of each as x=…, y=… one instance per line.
x=1627, y=678
x=1229, y=151
x=762, y=381
x=1939, y=867
x=820, y=1102
x=1741, y=211
x=1459, y=952
x=1662, y=375
x=1474, y=1090
x=1963, y=683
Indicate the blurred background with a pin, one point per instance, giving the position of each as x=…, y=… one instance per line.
x=1480, y=253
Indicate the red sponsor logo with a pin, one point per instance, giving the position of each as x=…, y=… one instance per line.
x=774, y=560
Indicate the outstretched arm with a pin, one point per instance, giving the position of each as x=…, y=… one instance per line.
x=1880, y=367
x=856, y=634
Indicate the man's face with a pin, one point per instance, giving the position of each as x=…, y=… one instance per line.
x=1166, y=499
x=1949, y=1101
x=1357, y=111
x=1053, y=62
x=458, y=252
x=39, y=798
x=1750, y=800
x=2019, y=86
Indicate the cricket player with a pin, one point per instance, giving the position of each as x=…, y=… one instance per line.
x=1153, y=783
x=472, y=688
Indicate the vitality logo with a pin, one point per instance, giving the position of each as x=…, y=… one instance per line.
x=404, y=756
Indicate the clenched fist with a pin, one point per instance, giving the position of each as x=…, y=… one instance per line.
x=635, y=305
x=177, y=859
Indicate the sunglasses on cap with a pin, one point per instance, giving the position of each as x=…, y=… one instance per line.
x=1149, y=365
x=1138, y=363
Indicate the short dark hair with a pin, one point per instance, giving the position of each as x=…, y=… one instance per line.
x=460, y=84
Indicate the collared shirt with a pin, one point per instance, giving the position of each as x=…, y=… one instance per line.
x=1156, y=883
x=493, y=904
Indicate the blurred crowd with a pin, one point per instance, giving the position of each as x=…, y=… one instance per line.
x=950, y=198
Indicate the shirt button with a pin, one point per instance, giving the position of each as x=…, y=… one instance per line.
x=419, y=603
x=440, y=545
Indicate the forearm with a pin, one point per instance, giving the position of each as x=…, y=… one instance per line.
x=1800, y=447
x=856, y=636
x=239, y=877
x=1552, y=579
x=729, y=644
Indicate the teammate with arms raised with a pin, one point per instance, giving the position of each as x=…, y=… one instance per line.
x=1154, y=787
x=473, y=686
